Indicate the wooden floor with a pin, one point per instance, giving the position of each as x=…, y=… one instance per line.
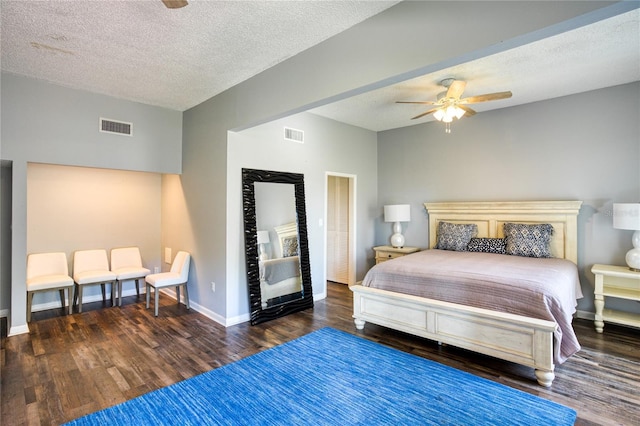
x=69, y=366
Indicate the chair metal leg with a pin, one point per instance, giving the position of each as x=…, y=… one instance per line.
x=62, y=301
x=104, y=293
x=148, y=291
x=119, y=292
x=138, y=287
x=29, y=304
x=70, y=295
x=186, y=295
x=178, y=294
x=79, y=299
x=157, y=301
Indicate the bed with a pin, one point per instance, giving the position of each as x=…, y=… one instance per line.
x=501, y=329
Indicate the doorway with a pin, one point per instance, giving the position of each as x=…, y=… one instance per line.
x=340, y=238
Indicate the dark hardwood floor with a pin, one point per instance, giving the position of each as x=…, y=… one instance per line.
x=69, y=366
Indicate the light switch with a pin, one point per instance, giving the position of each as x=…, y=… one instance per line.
x=167, y=255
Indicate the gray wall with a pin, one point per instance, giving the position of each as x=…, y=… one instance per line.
x=44, y=123
x=361, y=58
x=5, y=237
x=49, y=124
x=329, y=147
x=562, y=149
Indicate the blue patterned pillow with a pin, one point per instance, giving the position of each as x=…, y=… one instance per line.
x=455, y=236
x=487, y=245
x=528, y=240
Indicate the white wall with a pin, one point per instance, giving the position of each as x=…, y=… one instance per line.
x=561, y=149
x=79, y=208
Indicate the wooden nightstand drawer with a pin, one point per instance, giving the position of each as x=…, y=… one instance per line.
x=384, y=253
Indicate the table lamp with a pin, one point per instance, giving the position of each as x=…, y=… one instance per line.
x=627, y=216
x=397, y=213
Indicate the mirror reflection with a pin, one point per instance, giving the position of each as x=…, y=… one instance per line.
x=278, y=259
x=277, y=250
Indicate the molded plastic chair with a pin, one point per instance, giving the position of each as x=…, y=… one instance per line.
x=47, y=272
x=126, y=263
x=177, y=277
x=92, y=267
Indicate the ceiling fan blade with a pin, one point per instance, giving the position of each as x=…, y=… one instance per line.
x=468, y=111
x=417, y=102
x=175, y=4
x=425, y=113
x=456, y=89
x=487, y=97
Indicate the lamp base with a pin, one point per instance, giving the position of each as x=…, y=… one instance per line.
x=397, y=239
x=263, y=253
x=633, y=259
x=633, y=255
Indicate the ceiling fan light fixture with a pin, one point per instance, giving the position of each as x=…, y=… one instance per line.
x=450, y=104
x=439, y=114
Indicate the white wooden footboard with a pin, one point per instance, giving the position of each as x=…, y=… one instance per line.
x=526, y=341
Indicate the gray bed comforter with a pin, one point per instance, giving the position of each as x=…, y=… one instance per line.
x=537, y=288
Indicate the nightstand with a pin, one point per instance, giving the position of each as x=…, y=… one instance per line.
x=384, y=253
x=620, y=282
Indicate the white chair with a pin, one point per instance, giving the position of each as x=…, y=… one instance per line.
x=92, y=267
x=126, y=263
x=47, y=272
x=177, y=277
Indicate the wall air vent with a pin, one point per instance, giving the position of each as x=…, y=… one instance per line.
x=116, y=127
x=293, y=135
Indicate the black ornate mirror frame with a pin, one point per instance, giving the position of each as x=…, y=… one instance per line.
x=259, y=314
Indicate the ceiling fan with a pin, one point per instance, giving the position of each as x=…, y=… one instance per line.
x=175, y=4
x=449, y=104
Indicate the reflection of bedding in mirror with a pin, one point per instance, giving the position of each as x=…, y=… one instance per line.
x=280, y=280
x=280, y=275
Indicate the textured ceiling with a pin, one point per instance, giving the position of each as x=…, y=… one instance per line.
x=603, y=54
x=141, y=51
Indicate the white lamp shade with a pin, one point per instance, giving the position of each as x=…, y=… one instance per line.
x=397, y=213
x=263, y=237
x=626, y=216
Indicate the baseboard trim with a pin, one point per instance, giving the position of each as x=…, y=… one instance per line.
x=586, y=315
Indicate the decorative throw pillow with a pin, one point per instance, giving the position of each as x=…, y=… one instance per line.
x=455, y=236
x=528, y=240
x=290, y=247
x=487, y=245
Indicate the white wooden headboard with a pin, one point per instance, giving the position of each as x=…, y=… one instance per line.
x=490, y=217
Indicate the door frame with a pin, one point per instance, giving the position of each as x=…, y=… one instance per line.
x=351, y=265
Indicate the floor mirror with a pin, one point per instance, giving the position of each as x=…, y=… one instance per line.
x=276, y=244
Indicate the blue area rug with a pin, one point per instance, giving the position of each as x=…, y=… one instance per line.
x=329, y=377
